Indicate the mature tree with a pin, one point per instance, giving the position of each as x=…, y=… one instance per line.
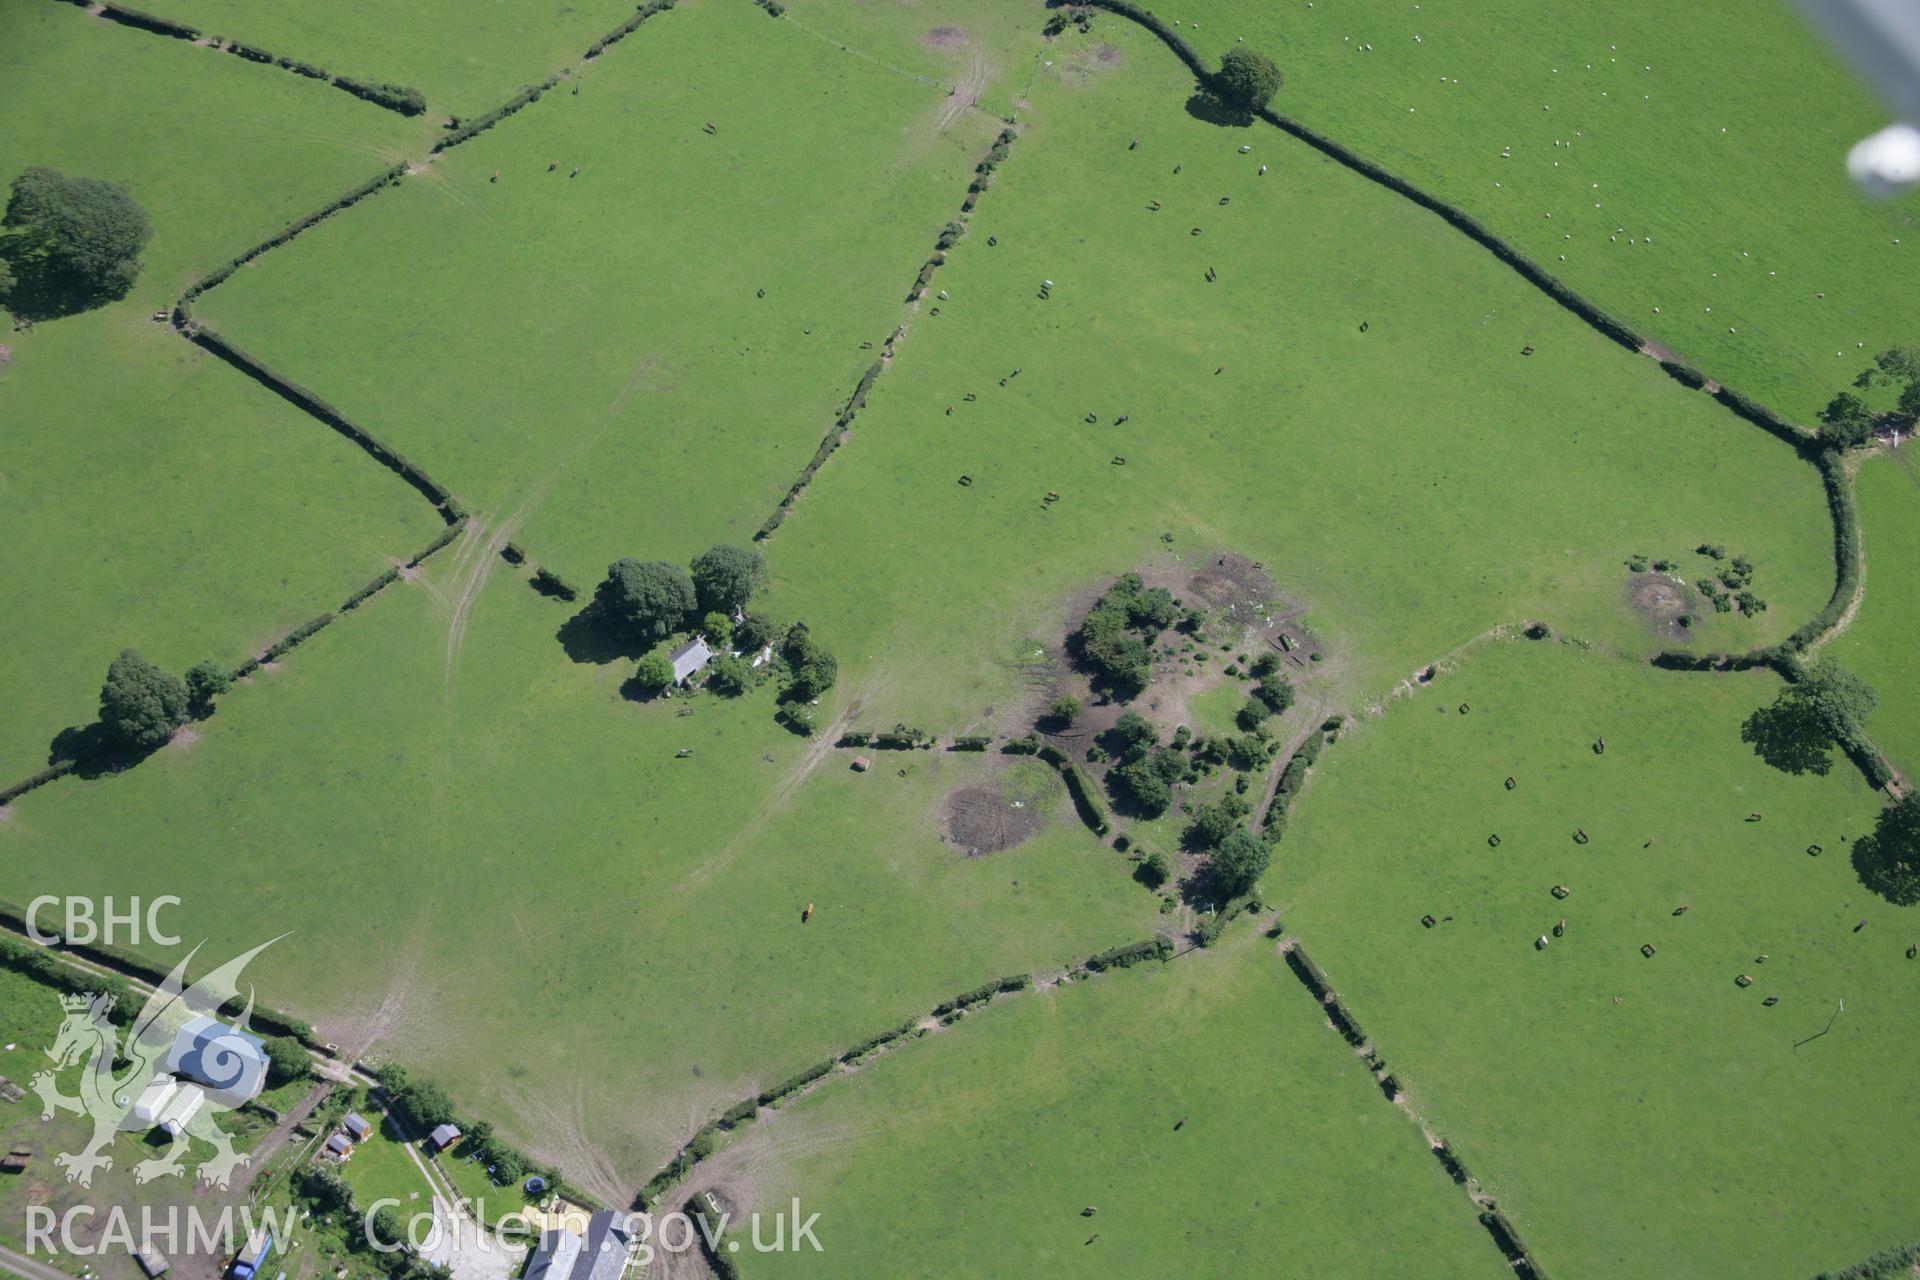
x=645, y=599
x=1909, y=405
x=653, y=671
x=754, y=633
x=1840, y=701
x=1247, y=80
x=1797, y=732
x=140, y=704
x=810, y=668
x=1143, y=786
x=1845, y=422
x=1276, y=691
x=729, y=675
x=1154, y=870
x=1252, y=713
x=205, y=680
x=718, y=629
x=1134, y=730
x=1213, y=823
x=79, y=237
x=424, y=1105
x=1888, y=861
x=1065, y=707
x=725, y=578
x=385, y=1229
x=1897, y=364
x=287, y=1060
x=7, y=279
x=1238, y=862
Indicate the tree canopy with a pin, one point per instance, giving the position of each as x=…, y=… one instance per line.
x=1247, y=80
x=1239, y=861
x=1888, y=861
x=726, y=577
x=645, y=599
x=140, y=704
x=811, y=669
x=1115, y=637
x=72, y=242
x=1846, y=422
x=653, y=671
x=287, y=1060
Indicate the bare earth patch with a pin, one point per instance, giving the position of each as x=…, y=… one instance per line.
x=980, y=819
x=946, y=38
x=1662, y=602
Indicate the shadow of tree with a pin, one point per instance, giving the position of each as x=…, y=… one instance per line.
x=1888, y=861
x=44, y=291
x=587, y=638
x=1210, y=109
x=1789, y=737
x=95, y=753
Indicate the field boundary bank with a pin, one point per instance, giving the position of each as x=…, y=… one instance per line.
x=702, y=1145
x=1888, y=1264
x=400, y=99
x=1506, y=1237
x=1835, y=477
x=180, y=319
x=107, y=761
x=837, y=434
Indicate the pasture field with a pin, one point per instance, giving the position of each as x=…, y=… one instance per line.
x=151, y=497
x=981, y=1144
x=1700, y=166
x=1416, y=483
x=1879, y=645
x=588, y=360
x=500, y=873
x=467, y=58
x=1679, y=1129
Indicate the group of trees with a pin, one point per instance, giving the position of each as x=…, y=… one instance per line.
x=1116, y=639
x=1237, y=858
x=648, y=600
x=141, y=705
x=1147, y=772
x=68, y=243
x=1849, y=421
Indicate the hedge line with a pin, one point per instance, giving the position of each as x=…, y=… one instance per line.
x=43, y=963
x=1885, y=1265
x=315, y=407
x=627, y=28
x=972, y=742
x=703, y=1213
x=983, y=993
x=836, y=434
x=871, y=1043
x=1158, y=947
x=1846, y=553
x=345, y=200
x=1086, y=796
x=794, y=1083
x=480, y=124
x=145, y=21
x=404, y=99
x=59, y=769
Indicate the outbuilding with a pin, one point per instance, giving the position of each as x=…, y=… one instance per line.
x=689, y=659
x=443, y=1137
x=357, y=1127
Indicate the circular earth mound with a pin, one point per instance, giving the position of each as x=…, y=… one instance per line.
x=980, y=820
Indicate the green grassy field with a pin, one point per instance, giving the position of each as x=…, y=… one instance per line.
x=546, y=885
x=467, y=58
x=1680, y=1128
x=1877, y=645
x=1417, y=483
x=1701, y=165
x=154, y=498
x=589, y=356
x=380, y=1168
x=973, y=1151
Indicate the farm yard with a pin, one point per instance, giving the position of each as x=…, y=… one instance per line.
x=1399, y=712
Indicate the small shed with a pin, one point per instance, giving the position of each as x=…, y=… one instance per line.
x=861, y=764
x=15, y=1161
x=151, y=1261
x=356, y=1126
x=443, y=1137
x=689, y=659
x=339, y=1145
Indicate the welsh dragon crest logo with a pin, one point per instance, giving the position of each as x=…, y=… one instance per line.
x=183, y=1067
